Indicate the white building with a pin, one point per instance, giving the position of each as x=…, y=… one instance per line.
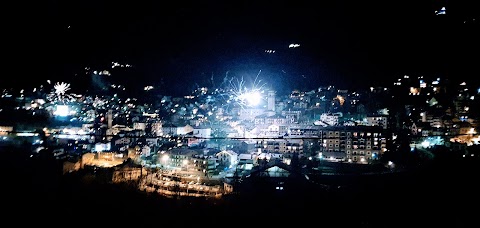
x=185, y=130
x=250, y=113
x=139, y=126
x=204, y=132
x=199, y=135
x=245, y=161
x=227, y=157
x=329, y=118
x=377, y=121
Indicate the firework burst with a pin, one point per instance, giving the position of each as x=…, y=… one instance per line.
x=238, y=93
x=59, y=93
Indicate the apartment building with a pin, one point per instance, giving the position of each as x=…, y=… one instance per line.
x=360, y=144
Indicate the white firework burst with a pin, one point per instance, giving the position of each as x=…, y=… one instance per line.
x=59, y=93
x=61, y=88
x=245, y=96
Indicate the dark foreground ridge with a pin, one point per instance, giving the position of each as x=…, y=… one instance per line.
x=442, y=193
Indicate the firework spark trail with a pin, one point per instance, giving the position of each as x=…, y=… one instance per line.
x=242, y=95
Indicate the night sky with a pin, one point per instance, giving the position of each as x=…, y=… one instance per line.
x=176, y=44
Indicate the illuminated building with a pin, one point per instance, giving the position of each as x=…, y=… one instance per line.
x=330, y=118
x=4, y=130
x=293, y=115
x=381, y=121
x=271, y=101
x=227, y=158
x=352, y=144
x=250, y=113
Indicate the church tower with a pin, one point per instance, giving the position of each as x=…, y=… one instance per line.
x=271, y=101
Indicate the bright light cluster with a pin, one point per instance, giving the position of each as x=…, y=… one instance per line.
x=251, y=98
x=61, y=88
x=59, y=93
x=245, y=96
